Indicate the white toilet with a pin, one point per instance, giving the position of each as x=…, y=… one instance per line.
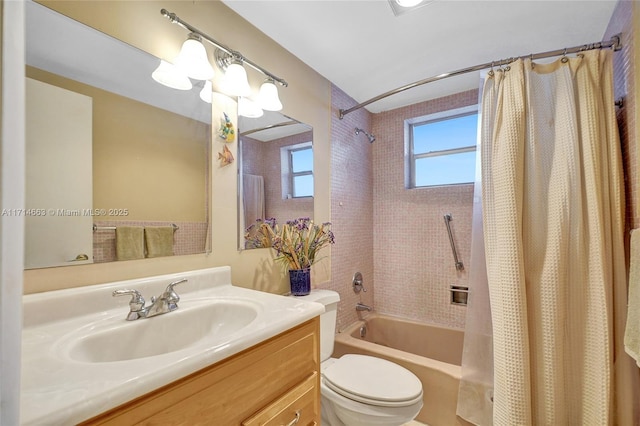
x=361, y=390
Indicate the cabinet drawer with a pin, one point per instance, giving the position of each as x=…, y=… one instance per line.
x=299, y=406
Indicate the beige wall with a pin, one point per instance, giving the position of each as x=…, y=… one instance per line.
x=137, y=162
x=307, y=99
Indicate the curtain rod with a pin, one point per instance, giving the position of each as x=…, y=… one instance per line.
x=173, y=18
x=269, y=127
x=614, y=43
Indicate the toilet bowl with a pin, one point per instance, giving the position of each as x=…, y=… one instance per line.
x=361, y=390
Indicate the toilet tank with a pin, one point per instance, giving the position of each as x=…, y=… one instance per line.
x=330, y=300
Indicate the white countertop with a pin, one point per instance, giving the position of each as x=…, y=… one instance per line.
x=57, y=389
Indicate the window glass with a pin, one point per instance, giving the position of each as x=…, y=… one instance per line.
x=302, y=160
x=448, y=133
x=441, y=149
x=446, y=169
x=303, y=186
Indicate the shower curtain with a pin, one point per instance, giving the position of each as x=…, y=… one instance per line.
x=553, y=217
x=253, y=198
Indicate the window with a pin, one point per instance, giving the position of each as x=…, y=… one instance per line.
x=297, y=170
x=441, y=148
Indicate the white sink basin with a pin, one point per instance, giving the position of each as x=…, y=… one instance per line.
x=114, y=339
x=80, y=357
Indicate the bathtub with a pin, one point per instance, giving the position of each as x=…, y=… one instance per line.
x=432, y=353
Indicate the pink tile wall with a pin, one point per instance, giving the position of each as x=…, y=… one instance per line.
x=351, y=206
x=624, y=85
x=413, y=260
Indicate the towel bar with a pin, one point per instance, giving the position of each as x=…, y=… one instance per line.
x=113, y=228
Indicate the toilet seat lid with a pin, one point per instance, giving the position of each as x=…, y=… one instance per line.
x=373, y=381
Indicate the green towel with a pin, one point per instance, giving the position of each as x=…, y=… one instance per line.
x=159, y=240
x=129, y=242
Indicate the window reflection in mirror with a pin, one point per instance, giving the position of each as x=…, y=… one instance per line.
x=275, y=170
x=145, y=155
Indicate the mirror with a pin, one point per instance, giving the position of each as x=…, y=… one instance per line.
x=275, y=170
x=109, y=150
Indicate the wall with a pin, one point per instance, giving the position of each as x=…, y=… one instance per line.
x=12, y=172
x=626, y=88
x=307, y=99
x=626, y=22
x=413, y=261
x=351, y=206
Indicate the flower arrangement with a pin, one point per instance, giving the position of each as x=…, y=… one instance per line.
x=296, y=242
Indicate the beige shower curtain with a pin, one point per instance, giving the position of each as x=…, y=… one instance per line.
x=553, y=216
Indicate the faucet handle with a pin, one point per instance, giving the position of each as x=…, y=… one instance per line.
x=171, y=295
x=170, y=286
x=136, y=304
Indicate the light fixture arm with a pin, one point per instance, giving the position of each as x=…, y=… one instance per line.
x=173, y=18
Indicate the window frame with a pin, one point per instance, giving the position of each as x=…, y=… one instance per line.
x=411, y=156
x=286, y=172
x=293, y=175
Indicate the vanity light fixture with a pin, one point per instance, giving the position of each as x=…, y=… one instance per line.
x=268, y=97
x=205, y=93
x=170, y=76
x=232, y=61
x=192, y=59
x=234, y=82
x=248, y=108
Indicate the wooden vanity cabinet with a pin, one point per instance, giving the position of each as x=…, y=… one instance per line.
x=272, y=383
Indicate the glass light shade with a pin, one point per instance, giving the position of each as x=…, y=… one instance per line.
x=169, y=75
x=408, y=3
x=248, y=108
x=268, y=97
x=205, y=93
x=192, y=59
x=235, y=81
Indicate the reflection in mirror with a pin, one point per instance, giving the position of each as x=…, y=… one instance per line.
x=117, y=164
x=275, y=170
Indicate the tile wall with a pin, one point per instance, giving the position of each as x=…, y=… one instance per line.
x=351, y=206
x=414, y=264
x=625, y=89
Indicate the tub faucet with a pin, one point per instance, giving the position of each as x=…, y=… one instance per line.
x=363, y=307
x=166, y=302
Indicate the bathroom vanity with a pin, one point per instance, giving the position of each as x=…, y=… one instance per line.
x=228, y=355
x=274, y=382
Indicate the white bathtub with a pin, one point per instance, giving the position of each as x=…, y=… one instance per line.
x=432, y=353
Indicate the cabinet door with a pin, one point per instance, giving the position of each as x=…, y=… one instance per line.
x=299, y=406
x=228, y=393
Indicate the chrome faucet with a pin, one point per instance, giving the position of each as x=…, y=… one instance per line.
x=363, y=307
x=166, y=302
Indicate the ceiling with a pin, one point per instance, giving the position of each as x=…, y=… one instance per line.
x=365, y=49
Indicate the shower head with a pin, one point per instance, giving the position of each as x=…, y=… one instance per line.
x=369, y=135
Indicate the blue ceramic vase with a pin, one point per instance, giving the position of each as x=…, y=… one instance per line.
x=300, y=281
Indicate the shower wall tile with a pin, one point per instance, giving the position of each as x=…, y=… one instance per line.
x=625, y=88
x=413, y=261
x=351, y=207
